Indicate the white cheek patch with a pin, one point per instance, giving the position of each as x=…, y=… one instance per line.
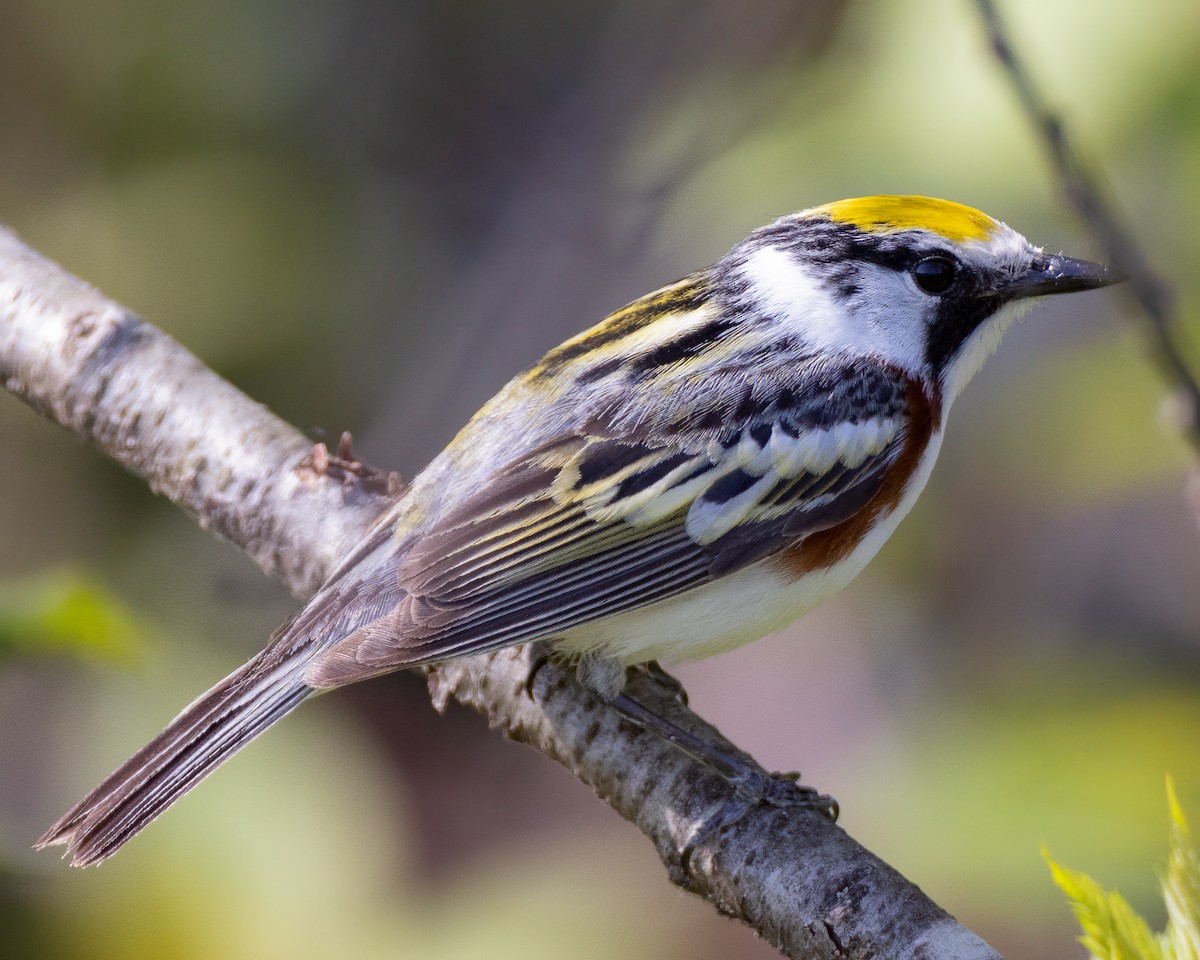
x=785, y=289
x=866, y=325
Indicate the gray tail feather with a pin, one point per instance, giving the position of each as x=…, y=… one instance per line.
x=235, y=711
x=195, y=743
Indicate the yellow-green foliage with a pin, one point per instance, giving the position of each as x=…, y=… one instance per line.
x=1113, y=931
x=63, y=611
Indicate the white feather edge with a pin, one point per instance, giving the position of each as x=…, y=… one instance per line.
x=707, y=521
x=783, y=457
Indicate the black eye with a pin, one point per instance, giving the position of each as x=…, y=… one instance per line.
x=934, y=274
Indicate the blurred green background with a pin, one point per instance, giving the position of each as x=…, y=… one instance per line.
x=368, y=216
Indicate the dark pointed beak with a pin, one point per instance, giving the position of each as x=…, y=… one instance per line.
x=1048, y=275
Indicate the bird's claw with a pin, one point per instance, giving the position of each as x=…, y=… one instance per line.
x=542, y=655
x=669, y=682
x=783, y=790
x=780, y=790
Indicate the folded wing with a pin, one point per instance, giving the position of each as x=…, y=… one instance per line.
x=603, y=521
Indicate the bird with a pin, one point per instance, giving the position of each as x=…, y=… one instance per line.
x=696, y=471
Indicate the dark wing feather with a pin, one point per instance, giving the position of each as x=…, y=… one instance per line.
x=596, y=525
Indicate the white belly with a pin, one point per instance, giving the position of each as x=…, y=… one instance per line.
x=736, y=609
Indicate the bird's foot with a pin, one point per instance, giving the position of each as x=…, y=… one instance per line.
x=754, y=787
x=541, y=655
x=782, y=790
x=669, y=682
x=751, y=785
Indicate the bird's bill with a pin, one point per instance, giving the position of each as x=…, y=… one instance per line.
x=1048, y=275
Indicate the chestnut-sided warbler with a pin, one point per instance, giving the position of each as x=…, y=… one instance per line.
x=696, y=471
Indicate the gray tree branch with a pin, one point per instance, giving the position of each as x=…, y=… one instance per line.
x=135, y=394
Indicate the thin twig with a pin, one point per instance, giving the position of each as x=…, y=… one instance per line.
x=1124, y=254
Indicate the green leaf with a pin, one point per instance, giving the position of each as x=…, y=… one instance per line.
x=1181, y=887
x=1111, y=928
x=63, y=611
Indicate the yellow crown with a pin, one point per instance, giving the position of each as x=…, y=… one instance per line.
x=886, y=214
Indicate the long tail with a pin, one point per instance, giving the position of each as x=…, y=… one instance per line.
x=234, y=712
x=194, y=744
